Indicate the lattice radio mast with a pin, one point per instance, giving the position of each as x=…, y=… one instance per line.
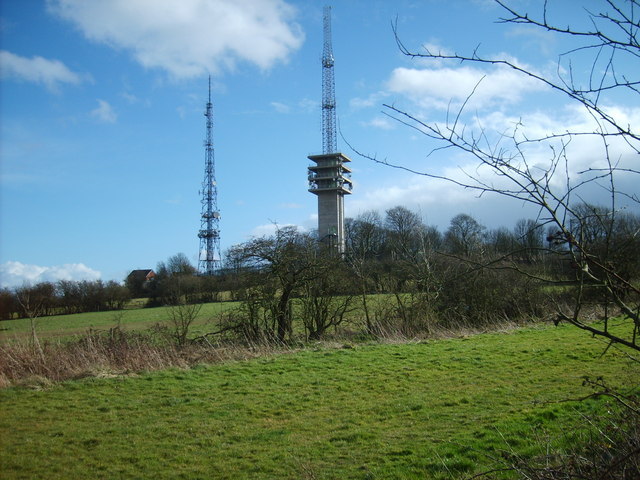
x=329, y=178
x=209, y=234
x=329, y=143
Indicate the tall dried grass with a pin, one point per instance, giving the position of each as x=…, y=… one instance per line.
x=114, y=352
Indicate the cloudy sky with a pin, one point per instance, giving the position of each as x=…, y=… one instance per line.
x=102, y=118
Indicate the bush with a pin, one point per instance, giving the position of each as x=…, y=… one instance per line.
x=404, y=315
x=476, y=297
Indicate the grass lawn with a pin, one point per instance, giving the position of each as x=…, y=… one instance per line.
x=135, y=319
x=436, y=409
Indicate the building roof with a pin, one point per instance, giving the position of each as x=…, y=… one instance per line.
x=141, y=275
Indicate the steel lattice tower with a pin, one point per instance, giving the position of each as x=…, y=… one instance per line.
x=329, y=178
x=329, y=143
x=209, y=234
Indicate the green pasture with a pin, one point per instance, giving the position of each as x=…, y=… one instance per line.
x=436, y=409
x=130, y=319
x=134, y=318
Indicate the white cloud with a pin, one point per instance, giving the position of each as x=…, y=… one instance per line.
x=188, y=38
x=415, y=191
x=307, y=105
x=374, y=100
x=439, y=200
x=583, y=151
x=14, y=274
x=442, y=88
x=382, y=123
x=281, y=107
x=50, y=73
x=104, y=112
x=302, y=106
x=129, y=97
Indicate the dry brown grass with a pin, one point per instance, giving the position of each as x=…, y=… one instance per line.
x=115, y=352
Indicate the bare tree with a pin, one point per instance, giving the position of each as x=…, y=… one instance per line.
x=365, y=236
x=181, y=318
x=500, y=240
x=365, y=240
x=554, y=185
x=326, y=299
x=287, y=259
x=175, y=282
x=32, y=301
x=404, y=228
x=465, y=236
x=529, y=236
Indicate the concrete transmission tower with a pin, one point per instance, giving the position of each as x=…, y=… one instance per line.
x=209, y=234
x=329, y=178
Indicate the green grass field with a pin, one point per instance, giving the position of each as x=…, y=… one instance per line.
x=437, y=409
x=134, y=319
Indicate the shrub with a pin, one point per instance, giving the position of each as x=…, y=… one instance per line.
x=476, y=297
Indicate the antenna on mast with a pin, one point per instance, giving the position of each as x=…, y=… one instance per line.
x=209, y=257
x=329, y=142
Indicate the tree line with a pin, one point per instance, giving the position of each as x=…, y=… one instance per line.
x=468, y=275
x=61, y=298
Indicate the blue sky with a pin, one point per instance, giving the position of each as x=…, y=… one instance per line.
x=102, y=119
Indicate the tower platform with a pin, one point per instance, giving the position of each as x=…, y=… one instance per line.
x=330, y=181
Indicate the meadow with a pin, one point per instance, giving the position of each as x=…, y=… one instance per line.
x=431, y=409
x=135, y=318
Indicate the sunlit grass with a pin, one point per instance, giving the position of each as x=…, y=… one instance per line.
x=133, y=319
x=435, y=409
